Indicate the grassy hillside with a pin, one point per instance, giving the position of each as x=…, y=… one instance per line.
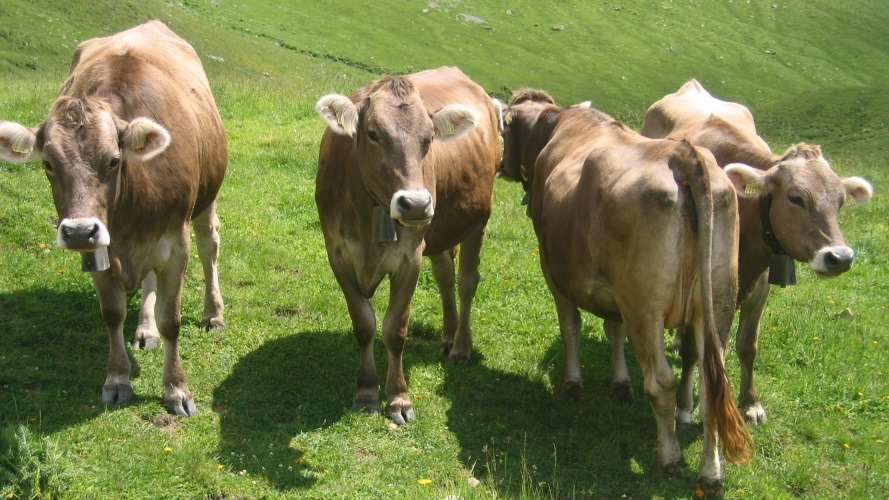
x=274, y=388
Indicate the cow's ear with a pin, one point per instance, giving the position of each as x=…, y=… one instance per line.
x=454, y=121
x=582, y=105
x=143, y=139
x=858, y=192
x=17, y=143
x=501, y=114
x=340, y=114
x=747, y=180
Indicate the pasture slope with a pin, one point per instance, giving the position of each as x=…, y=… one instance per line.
x=274, y=388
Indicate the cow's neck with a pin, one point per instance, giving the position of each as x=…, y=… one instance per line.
x=754, y=253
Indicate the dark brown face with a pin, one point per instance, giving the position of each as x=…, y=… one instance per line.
x=515, y=134
x=394, y=136
x=79, y=142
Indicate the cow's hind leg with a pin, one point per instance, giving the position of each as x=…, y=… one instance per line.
x=569, y=327
x=647, y=342
x=206, y=230
x=177, y=398
x=443, y=270
x=113, y=302
x=147, y=336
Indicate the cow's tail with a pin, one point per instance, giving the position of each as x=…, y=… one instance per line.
x=729, y=423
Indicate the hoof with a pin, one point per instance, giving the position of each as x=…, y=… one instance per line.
x=183, y=408
x=366, y=407
x=572, y=390
x=400, y=415
x=146, y=339
x=676, y=468
x=213, y=323
x=755, y=414
x=709, y=488
x=460, y=358
x=117, y=394
x=683, y=427
x=622, y=392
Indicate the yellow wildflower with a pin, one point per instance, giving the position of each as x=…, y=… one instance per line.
x=167, y=449
x=846, y=446
x=424, y=481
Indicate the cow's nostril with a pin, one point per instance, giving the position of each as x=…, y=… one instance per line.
x=94, y=233
x=404, y=203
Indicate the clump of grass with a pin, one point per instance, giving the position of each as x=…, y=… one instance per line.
x=31, y=466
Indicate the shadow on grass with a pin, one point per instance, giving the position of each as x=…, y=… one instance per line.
x=310, y=391
x=53, y=355
x=524, y=438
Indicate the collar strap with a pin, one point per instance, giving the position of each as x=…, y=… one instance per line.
x=768, y=234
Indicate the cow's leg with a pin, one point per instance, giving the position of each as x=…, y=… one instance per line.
x=710, y=470
x=688, y=352
x=206, y=231
x=467, y=284
x=113, y=302
x=177, y=398
x=746, y=345
x=364, y=327
x=621, y=386
x=147, y=336
x=443, y=270
x=569, y=327
x=647, y=342
x=401, y=289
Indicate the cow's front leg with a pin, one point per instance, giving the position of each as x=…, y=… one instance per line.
x=113, y=302
x=467, y=284
x=621, y=385
x=206, y=231
x=395, y=323
x=364, y=327
x=569, y=326
x=177, y=398
x=746, y=347
x=147, y=336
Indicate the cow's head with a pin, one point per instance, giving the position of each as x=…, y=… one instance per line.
x=518, y=121
x=806, y=197
x=393, y=132
x=84, y=146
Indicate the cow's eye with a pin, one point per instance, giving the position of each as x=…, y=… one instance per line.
x=373, y=136
x=797, y=200
x=115, y=162
x=426, y=144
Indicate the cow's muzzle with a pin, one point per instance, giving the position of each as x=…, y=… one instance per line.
x=82, y=235
x=832, y=261
x=412, y=208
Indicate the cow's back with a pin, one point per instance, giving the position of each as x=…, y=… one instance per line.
x=148, y=71
x=464, y=169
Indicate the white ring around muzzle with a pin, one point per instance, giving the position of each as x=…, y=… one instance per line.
x=412, y=207
x=83, y=234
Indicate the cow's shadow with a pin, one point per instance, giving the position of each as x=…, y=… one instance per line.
x=285, y=387
x=526, y=436
x=54, y=348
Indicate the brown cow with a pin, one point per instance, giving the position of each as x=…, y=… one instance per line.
x=397, y=180
x=134, y=149
x=788, y=204
x=642, y=233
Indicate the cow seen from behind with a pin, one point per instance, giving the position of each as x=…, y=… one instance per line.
x=642, y=233
x=135, y=153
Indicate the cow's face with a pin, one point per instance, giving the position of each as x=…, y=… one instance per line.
x=517, y=123
x=83, y=147
x=393, y=133
x=806, y=199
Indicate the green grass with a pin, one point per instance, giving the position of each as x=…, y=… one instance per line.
x=274, y=389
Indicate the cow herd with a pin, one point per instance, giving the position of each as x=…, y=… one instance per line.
x=673, y=228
